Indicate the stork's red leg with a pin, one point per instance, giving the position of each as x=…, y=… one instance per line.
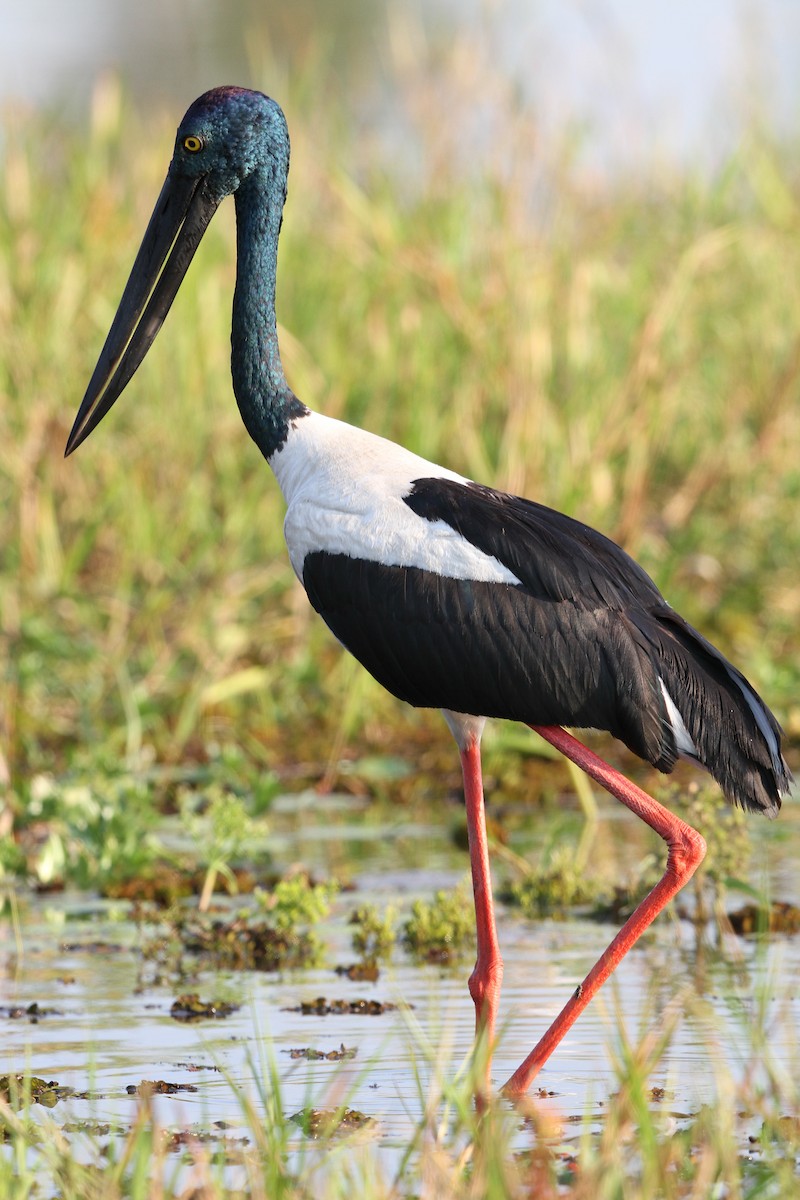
x=485, y=980
x=686, y=849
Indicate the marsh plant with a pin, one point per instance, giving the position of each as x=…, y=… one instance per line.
x=566, y=877
x=441, y=929
x=557, y=885
x=374, y=934
x=220, y=827
x=297, y=901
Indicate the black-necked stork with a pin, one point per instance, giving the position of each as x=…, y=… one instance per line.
x=453, y=595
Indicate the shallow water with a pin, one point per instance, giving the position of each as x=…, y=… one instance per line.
x=107, y=1035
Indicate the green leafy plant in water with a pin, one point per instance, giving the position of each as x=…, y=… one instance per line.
x=441, y=929
x=21, y=1090
x=99, y=830
x=561, y=883
x=297, y=901
x=293, y=904
x=728, y=842
x=221, y=831
x=557, y=884
x=373, y=935
x=268, y=932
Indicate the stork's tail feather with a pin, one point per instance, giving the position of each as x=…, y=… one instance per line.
x=716, y=718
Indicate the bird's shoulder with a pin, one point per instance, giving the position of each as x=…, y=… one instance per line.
x=346, y=493
x=553, y=555
x=352, y=492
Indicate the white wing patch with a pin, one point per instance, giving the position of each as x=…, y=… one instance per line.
x=682, y=739
x=344, y=490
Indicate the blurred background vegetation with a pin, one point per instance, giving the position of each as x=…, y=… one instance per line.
x=615, y=333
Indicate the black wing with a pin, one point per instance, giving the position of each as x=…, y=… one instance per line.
x=554, y=556
x=582, y=640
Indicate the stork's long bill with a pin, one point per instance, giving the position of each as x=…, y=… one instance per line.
x=180, y=218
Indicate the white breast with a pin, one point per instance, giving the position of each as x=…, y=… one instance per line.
x=344, y=490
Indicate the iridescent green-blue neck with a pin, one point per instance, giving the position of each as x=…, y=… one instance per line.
x=266, y=402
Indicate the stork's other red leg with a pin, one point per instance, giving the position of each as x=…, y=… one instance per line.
x=686, y=849
x=485, y=980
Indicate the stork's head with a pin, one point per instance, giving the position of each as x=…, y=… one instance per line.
x=228, y=135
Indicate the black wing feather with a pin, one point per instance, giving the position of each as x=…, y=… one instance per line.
x=582, y=640
x=554, y=556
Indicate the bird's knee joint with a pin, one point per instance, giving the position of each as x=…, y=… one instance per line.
x=484, y=982
x=686, y=851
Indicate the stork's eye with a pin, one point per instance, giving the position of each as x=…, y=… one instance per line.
x=193, y=143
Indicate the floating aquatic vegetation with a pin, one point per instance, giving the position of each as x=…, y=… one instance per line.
x=190, y=1007
x=341, y=1055
x=324, y=1008
x=158, y=1087
x=323, y=1122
